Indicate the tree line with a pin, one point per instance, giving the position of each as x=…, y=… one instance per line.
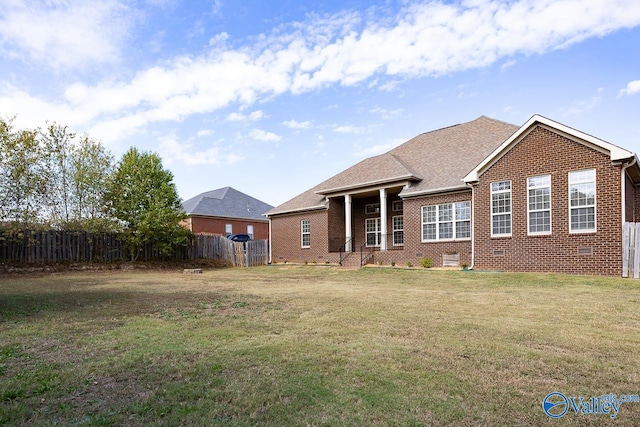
x=53, y=178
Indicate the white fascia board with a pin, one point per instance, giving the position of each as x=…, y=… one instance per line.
x=615, y=153
x=434, y=191
x=365, y=185
x=289, y=211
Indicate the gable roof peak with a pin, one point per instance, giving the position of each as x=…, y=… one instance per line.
x=616, y=153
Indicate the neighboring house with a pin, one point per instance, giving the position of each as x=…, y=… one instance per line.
x=227, y=211
x=485, y=194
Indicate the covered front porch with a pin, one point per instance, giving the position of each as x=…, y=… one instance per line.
x=367, y=220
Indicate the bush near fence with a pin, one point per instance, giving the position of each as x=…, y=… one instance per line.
x=56, y=246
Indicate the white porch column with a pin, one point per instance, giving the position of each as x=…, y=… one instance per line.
x=347, y=222
x=383, y=219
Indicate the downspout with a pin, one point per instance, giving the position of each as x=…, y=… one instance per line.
x=473, y=226
x=270, y=242
x=623, y=187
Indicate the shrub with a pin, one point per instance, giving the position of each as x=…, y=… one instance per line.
x=393, y=263
x=409, y=264
x=426, y=262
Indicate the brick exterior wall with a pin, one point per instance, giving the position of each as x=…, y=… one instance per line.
x=543, y=152
x=286, y=238
x=214, y=225
x=328, y=225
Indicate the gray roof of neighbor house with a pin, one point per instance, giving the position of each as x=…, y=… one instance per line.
x=226, y=202
x=430, y=162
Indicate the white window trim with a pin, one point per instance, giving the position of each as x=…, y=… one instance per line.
x=378, y=232
x=595, y=201
x=228, y=229
x=375, y=209
x=529, y=211
x=510, y=207
x=394, y=229
x=303, y=233
x=454, y=221
x=394, y=205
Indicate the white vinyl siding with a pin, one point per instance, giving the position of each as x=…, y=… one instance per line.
x=539, y=204
x=582, y=201
x=501, y=209
x=448, y=221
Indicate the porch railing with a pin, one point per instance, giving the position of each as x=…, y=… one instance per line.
x=343, y=249
x=366, y=253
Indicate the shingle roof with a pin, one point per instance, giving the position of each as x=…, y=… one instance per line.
x=226, y=202
x=431, y=161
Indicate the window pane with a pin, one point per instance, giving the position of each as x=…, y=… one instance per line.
x=540, y=222
x=445, y=212
x=583, y=219
x=446, y=230
x=398, y=223
x=398, y=237
x=583, y=194
x=463, y=211
x=429, y=214
x=463, y=230
x=501, y=186
x=501, y=202
x=502, y=224
x=539, y=199
x=429, y=232
x=582, y=176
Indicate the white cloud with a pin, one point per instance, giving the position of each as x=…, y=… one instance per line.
x=387, y=114
x=262, y=135
x=239, y=117
x=65, y=34
x=184, y=152
x=204, y=133
x=294, y=124
x=632, y=88
x=423, y=39
x=349, y=129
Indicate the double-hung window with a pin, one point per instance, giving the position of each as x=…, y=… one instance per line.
x=539, y=204
x=582, y=201
x=398, y=230
x=501, y=208
x=305, y=231
x=449, y=221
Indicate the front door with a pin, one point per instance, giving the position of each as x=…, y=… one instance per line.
x=372, y=231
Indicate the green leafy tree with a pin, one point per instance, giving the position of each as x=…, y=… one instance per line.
x=91, y=167
x=23, y=182
x=144, y=198
x=57, y=146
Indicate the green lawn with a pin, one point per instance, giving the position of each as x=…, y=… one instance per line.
x=316, y=345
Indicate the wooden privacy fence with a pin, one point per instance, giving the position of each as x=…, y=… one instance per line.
x=78, y=246
x=631, y=249
x=249, y=254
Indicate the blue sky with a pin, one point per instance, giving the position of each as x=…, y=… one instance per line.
x=272, y=97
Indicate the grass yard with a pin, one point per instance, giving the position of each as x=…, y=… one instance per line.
x=316, y=345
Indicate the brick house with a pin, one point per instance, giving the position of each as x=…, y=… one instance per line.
x=485, y=194
x=226, y=211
